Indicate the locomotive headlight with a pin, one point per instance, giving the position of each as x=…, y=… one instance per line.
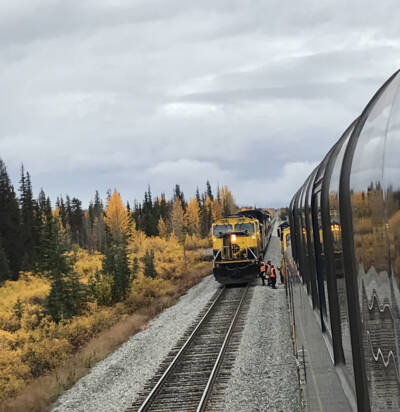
x=233, y=238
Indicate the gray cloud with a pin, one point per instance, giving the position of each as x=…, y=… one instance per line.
x=252, y=94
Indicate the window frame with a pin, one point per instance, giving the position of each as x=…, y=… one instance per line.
x=349, y=253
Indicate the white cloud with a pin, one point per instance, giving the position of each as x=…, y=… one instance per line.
x=270, y=191
x=247, y=93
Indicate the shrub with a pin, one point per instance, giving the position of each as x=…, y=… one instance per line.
x=40, y=358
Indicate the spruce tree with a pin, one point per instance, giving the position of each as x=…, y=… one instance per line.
x=61, y=206
x=116, y=264
x=10, y=230
x=68, y=296
x=30, y=222
x=149, y=266
x=178, y=194
x=148, y=219
x=76, y=222
x=5, y=272
x=209, y=191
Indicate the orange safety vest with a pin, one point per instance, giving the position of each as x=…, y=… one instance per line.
x=273, y=273
x=262, y=268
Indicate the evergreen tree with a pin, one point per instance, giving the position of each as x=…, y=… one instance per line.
x=178, y=194
x=28, y=221
x=5, y=272
x=68, y=296
x=63, y=214
x=149, y=220
x=10, y=231
x=209, y=191
x=76, y=222
x=198, y=196
x=149, y=266
x=206, y=216
x=135, y=267
x=116, y=264
x=96, y=226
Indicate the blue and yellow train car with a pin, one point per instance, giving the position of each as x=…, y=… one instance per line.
x=239, y=244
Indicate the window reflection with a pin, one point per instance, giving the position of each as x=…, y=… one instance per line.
x=338, y=270
x=375, y=207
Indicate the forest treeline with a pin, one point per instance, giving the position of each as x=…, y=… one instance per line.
x=35, y=237
x=67, y=272
x=29, y=226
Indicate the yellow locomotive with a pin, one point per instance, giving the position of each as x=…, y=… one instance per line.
x=238, y=245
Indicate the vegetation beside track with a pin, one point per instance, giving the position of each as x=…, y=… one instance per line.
x=68, y=275
x=90, y=338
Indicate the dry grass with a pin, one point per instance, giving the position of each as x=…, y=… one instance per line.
x=41, y=392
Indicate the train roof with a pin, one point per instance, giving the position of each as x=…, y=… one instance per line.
x=255, y=214
x=232, y=218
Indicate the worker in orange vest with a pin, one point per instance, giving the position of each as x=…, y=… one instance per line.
x=272, y=276
x=268, y=272
x=262, y=271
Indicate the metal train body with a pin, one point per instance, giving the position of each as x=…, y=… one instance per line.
x=239, y=243
x=343, y=265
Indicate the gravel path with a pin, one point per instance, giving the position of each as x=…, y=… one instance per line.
x=264, y=377
x=113, y=383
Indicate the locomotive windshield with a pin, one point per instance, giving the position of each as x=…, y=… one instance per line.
x=245, y=227
x=220, y=230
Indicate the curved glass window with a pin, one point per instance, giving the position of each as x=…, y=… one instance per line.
x=319, y=241
x=310, y=239
x=374, y=197
x=337, y=258
x=303, y=235
x=292, y=227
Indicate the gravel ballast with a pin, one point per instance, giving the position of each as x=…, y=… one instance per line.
x=264, y=377
x=114, y=382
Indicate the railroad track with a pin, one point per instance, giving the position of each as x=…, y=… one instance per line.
x=187, y=382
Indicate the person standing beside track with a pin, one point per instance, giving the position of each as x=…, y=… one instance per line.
x=272, y=277
x=268, y=272
x=262, y=271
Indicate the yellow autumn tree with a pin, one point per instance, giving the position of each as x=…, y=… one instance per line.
x=214, y=207
x=117, y=218
x=177, y=219
x=162, y=228
x=227, y=202
x=192, y=217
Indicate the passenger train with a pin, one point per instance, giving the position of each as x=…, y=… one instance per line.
x=239, y=243
x=342, y=265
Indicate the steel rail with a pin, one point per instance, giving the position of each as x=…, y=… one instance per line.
x=213, y=376
x=147, y=403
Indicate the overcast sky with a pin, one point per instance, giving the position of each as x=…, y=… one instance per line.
x=98, y=94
